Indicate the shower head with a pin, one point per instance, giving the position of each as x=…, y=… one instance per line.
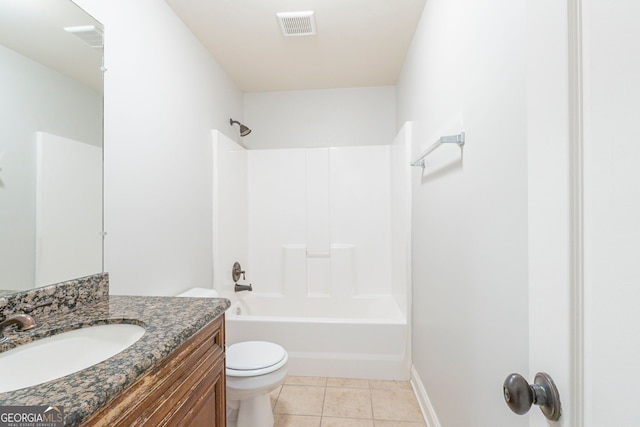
x=244, y=131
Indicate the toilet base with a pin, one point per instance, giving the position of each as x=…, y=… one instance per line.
x=254, y=412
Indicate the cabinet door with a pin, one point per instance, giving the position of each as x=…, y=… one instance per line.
x=211, y=409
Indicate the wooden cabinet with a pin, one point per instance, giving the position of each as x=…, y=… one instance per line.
x=186, y=389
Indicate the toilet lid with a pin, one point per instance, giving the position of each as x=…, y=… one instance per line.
x=254, y=355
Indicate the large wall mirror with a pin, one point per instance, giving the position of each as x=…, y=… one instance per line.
x=51, y=115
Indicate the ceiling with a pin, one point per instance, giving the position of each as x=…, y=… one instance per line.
x=359, y=43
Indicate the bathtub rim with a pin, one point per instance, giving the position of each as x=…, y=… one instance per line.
x=397, y=319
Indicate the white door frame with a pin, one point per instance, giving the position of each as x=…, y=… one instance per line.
x=555, y=142
x=576, y=182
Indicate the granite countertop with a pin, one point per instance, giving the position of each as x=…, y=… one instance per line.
x=168, y=321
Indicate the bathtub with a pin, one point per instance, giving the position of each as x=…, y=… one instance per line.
x=359, y=337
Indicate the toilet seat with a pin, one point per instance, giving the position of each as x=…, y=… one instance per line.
x=253, y=358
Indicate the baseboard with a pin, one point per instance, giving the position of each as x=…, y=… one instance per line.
x=428, y=412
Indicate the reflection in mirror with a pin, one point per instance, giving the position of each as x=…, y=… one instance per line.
x=50, y=143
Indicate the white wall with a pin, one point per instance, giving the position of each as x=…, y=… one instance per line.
x=163, y=95
x=41, y=99
x=320, y=118
x=465, y=71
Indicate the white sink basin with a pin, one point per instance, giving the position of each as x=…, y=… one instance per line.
x=59, y=355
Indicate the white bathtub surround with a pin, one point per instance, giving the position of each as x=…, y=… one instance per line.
x=364, y=337
x=326, y=274
x=400, y=177
x=230, y=211
x=326, y=246
x=313, y=211
x=300, y=220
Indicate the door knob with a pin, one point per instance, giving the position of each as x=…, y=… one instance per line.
x=520, y=395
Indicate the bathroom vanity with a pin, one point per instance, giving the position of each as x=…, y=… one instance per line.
x=173, y=375
x=187, y=388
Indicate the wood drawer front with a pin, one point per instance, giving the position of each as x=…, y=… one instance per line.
x=177, y=389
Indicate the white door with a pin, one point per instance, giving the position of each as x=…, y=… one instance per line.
x=584, y=169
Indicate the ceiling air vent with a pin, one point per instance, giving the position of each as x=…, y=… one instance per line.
x=297, y=23
x=90, y=34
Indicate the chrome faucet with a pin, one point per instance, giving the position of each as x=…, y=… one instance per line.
x=238, y=287
x=24, y=322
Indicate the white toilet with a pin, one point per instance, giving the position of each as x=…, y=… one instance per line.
x=254, y=369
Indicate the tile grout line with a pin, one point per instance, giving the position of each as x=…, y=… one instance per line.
x=371, y=400
x=324, y=396
x=326, y=385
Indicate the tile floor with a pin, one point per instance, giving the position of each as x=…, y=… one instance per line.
x=342, y=402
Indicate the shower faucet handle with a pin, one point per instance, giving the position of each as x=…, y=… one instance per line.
x=237, y=271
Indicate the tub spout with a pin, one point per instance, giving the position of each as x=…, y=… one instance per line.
x=240, y=288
